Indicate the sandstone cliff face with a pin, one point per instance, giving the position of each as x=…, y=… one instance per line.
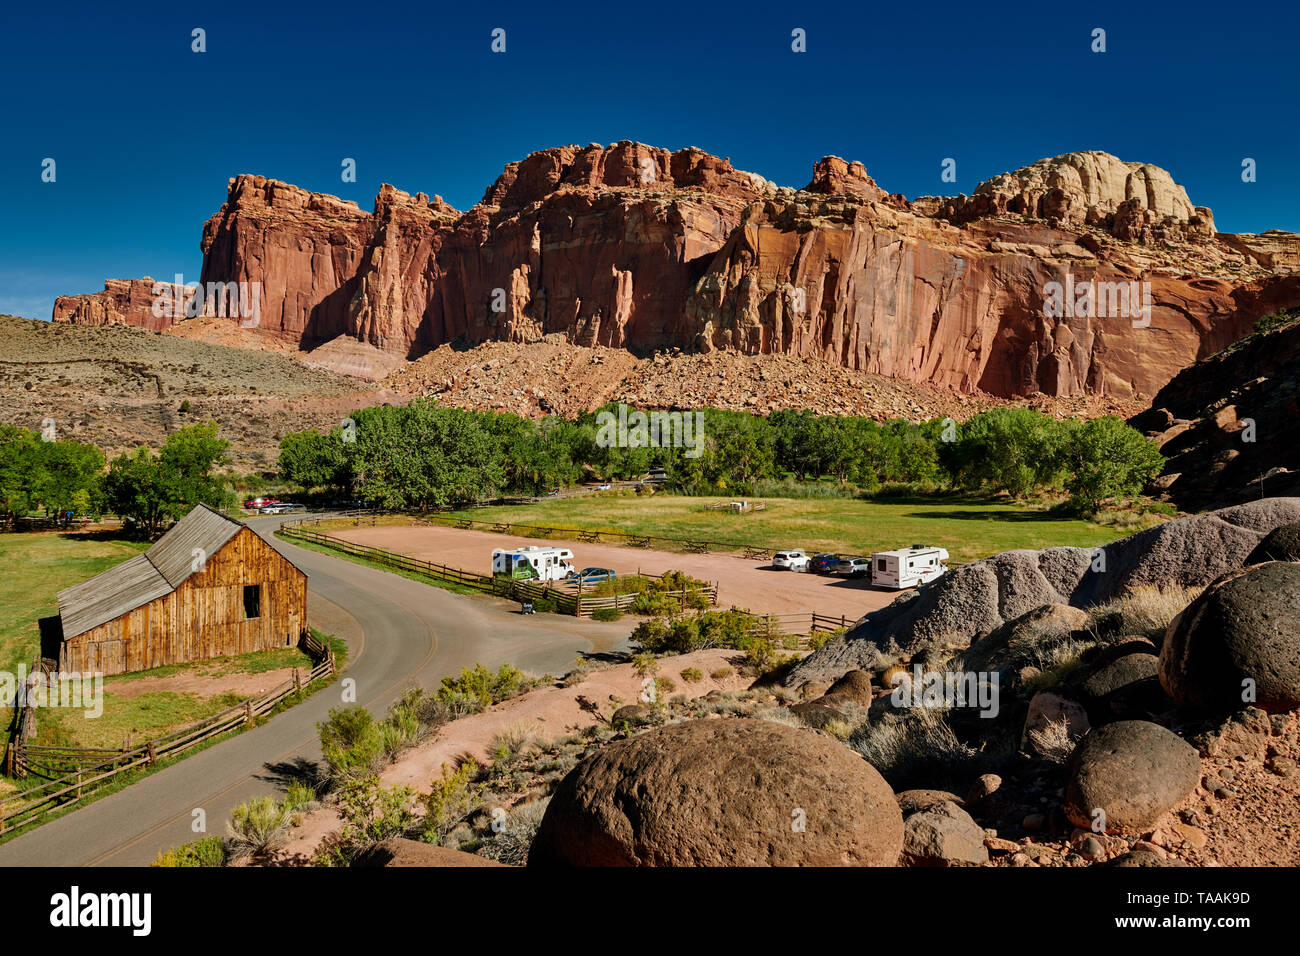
x=304, y=248
x=124, y=302
x=641, y=248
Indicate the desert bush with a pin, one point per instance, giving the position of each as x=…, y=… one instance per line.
x=645, y=663
x=515, y=838
x=692, y=675
x=664, y=686
x=477, y=689
x=351, y=741
x=370, y=815
x=607, y=614
x=721, y=673
x=257, y=827
x=208, y=851
x=449, y=800
x=518, y=737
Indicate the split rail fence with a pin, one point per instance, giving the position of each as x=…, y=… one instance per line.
x=73, y=772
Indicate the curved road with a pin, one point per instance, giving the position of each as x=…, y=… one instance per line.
x=401, y=634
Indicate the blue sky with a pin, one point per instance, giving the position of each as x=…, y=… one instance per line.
x=146, y=133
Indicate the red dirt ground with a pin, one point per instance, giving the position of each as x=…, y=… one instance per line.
x=742, y=582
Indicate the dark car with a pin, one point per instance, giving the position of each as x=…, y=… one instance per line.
x=592, y=575
x=824, y=563
x=854, y=567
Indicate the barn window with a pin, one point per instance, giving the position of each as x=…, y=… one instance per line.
x=252, y=600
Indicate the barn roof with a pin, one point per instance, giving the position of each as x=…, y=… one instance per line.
x=148, y=576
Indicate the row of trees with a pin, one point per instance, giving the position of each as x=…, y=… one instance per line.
x=424, y=456
x=145, y=489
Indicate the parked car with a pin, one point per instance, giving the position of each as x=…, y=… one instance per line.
x=824, y=563
x=854, y=567
x=592, y=575
x=604, y=487
x=253, y=504
x=790, y=560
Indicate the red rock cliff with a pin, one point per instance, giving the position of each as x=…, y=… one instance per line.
x=633, y=246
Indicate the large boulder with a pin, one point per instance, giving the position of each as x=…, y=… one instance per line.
x=1280, y=544
x=1124, y=687
x=1132, y=770
x=972, y=601
x=399, y=851
x=730, y=792
x=1245, y=628
x=1015, y=643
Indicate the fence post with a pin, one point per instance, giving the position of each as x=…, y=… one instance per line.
x=248, y=711
x=297, y=681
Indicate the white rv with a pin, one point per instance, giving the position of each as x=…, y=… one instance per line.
x=907, y=567
x=534, y=563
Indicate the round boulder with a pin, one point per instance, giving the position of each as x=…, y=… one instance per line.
x=1242, y=633
x=723, y=792
x=1132, y=770
x=1280, y=544
x=943, y=834
x=1125, y=687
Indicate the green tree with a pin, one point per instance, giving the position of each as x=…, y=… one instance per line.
x=1109, y=461
x=148, y=491
x=20, y=471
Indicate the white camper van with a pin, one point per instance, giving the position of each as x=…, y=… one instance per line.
x=532, y=562
x=907, y=567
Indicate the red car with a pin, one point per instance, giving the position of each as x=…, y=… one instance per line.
x=252, y=504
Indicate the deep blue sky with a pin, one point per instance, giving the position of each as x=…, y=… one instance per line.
x=146, y=134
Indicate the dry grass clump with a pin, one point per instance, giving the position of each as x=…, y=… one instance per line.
x=1146, y=609
x=916, y=747
x=1053, y=742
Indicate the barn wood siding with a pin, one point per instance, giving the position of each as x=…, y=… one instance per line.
x=203, y=617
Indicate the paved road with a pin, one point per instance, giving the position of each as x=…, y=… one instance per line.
x=401, y=633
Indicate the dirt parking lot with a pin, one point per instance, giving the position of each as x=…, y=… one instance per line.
x=741, y=581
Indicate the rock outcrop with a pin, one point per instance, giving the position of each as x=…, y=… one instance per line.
x=126, y=302
x=969, y=604
x=722, y=792
x=1230, y=425
x=640, y=248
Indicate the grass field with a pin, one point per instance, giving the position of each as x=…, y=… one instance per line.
x=33, y=569
x=968, y=528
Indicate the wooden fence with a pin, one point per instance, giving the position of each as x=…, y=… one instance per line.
x=73, y=772
x=798, y=628
x=566, y=598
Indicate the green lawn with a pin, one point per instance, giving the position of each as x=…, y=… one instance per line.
x=968, y=528
x=34, y=567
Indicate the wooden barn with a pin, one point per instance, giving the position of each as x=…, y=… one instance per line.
x=209, y=587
